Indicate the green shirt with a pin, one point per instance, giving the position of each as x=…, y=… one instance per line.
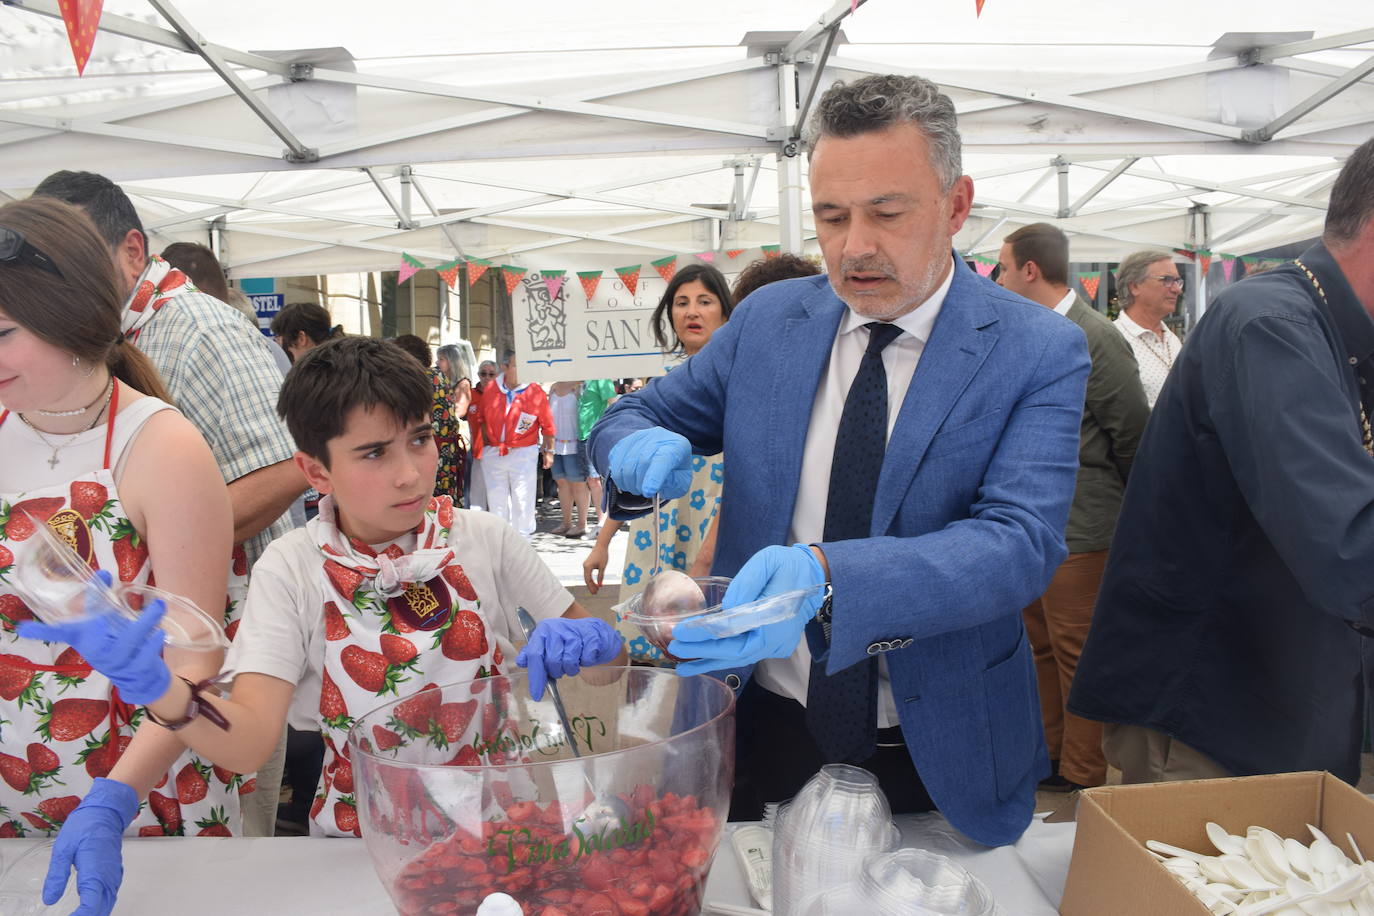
x=591, y=404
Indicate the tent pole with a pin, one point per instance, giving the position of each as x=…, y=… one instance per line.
x=789, y=164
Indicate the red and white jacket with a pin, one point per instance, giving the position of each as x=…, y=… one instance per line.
x=518, y=422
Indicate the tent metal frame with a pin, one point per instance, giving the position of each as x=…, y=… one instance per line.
x=1290, y=197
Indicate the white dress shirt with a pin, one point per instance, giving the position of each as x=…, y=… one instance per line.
x=1065, y=304
x=789, y=677
x=1153, y=355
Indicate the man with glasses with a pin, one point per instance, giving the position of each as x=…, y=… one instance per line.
x=1232, y=634
x=1148, y=286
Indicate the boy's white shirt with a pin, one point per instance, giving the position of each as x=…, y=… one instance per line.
x=282, y=631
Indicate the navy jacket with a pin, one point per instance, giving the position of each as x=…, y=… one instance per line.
x=1245, y=547
x=968, y=522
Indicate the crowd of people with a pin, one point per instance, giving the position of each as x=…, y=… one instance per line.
x=1038, y=543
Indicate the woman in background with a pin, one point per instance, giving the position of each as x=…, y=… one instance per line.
x=695, y=305
x=477, y=487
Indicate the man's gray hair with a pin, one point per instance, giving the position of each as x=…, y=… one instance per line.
x=878, y=102
x=1352, y=197
x=1135, y=267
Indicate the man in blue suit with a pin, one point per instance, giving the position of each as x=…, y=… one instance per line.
x=911, y=430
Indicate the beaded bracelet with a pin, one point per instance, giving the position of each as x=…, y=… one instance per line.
x=198, y=706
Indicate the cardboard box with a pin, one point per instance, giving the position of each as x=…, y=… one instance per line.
x=1112, y=874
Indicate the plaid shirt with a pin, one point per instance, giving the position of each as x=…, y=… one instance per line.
x=223, y=378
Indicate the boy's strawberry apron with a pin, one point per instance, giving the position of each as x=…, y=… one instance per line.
x=64, y=724
x=394, y=623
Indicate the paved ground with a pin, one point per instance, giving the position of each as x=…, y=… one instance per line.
x=565, y=555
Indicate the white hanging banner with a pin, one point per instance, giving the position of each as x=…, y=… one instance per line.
x=568, y=337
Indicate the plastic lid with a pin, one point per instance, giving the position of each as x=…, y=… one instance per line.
x=714, y=620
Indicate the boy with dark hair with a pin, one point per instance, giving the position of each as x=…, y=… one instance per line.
x=387, y=591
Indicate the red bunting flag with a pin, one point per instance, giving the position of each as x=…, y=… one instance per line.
x=629, y=276
x=591, y=279
x=978, y=8
x=1090, y=284
x=666, y=267
x=476, y=267
x=409, y=268
x=554, y=279
x=771, y=251
x=1204, y=260
x=82, y=19
x=735, y=252
x=512, y=277
x=449, y=271
x=1185, y=253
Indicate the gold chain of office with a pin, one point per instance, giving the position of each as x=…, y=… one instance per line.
x=1366, y=434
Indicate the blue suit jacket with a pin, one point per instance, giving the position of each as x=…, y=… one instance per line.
x=968, y=521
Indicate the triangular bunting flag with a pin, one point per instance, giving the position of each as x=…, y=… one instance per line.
x=409, y=268
x=554, y=279
x=708, y=256
x=449, y=271
x=512, y=276
x=666, y=267
x=977, y=8
x=476, y=267
x=629, y=276
x=1204, y=260
x=771, y=251
x=983, y=267
x=1186, y=253
x=1090, y=283
x=81, y=17
x=735, y=252
x=1228, y=267
x=591, y=279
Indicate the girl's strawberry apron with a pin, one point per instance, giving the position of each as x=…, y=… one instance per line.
x=395, y=622
x=62, y=724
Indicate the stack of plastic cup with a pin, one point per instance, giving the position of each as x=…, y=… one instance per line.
x=908, y=882
x=823, y=837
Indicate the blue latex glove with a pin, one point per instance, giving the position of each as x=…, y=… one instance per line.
x=652, y=461
x=771, y=571
x=563, y=645
x=128, y=652
x=90, y=840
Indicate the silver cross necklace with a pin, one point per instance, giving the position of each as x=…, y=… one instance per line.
x=54, y=460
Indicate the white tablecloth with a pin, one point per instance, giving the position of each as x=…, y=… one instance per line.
x=332, y=877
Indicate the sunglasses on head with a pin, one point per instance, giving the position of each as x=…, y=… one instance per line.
x=15, y=249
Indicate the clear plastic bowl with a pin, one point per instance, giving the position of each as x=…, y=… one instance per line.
x=823, y=837
x=488, y=798
x=657, y=627
x=56, y=584
x=908, y=882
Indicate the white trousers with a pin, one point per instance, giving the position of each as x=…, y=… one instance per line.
x=477, y=491
x=510, y=480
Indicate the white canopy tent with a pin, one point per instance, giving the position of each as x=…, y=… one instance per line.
x=555, y=135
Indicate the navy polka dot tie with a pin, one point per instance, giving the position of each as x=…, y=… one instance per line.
x=842, y=710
